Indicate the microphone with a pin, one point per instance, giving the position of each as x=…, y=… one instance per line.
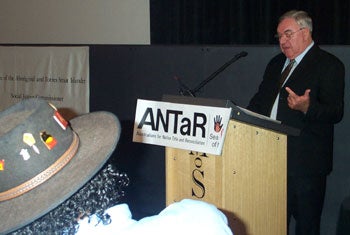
x=222, y=68
x=183, y=89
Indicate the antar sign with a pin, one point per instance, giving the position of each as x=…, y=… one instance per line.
x=190, y=127
x=175, y=120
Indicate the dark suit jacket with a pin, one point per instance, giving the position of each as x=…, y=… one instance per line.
x=311, y=152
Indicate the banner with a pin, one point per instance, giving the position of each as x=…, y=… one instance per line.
x=191, y=127
x=59, y=75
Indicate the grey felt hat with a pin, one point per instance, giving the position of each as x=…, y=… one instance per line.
x=44, y=159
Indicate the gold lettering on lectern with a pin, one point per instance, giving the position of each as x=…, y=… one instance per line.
x=198, y=189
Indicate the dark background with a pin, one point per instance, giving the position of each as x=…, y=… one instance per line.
x=242, y=21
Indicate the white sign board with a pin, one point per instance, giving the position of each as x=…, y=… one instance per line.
x=191, y=127
x=60, y=75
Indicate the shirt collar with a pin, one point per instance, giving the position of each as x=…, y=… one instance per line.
x=301, y=56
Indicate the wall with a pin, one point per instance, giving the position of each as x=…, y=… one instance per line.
x=75, y=22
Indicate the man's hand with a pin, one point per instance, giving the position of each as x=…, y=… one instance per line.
x=296, y=102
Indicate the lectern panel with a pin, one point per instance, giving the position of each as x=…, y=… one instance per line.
x=247, y=182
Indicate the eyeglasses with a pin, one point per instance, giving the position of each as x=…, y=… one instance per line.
x=288, y=33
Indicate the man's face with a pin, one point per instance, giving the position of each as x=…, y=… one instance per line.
x=292, y=38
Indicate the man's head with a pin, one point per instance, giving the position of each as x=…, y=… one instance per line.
x=294, y=32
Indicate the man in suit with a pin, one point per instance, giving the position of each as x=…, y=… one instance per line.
x=310, y=99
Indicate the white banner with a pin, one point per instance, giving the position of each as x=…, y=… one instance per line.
x=191, y=127
x=59, y=75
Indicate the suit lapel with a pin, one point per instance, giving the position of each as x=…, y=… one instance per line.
x=302, y=71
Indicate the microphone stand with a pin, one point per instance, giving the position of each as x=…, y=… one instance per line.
x=213, y=75
x=183, y=89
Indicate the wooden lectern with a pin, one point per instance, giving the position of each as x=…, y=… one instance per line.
x=247, y=182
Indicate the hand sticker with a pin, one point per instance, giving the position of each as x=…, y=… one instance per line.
x=217, y=123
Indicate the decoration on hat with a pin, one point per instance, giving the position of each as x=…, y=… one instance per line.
x=2, y=165
x=48, y=140
x=58, y=118
x=29, y=139
x=25, y=154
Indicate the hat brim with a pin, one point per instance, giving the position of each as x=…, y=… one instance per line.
x=99, y=134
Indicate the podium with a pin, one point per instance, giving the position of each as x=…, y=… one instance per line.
x=247, y=182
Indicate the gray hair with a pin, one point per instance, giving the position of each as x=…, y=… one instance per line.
x=301, y=17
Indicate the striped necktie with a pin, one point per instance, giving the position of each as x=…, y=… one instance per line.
x=285, y=73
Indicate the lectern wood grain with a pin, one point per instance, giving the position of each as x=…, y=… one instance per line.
x=247, y=182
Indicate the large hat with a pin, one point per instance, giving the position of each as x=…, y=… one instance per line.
x=44, y=159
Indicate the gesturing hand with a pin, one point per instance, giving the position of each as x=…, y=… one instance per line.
x=296, y=102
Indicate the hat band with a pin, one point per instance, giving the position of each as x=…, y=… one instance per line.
x=45, y=175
